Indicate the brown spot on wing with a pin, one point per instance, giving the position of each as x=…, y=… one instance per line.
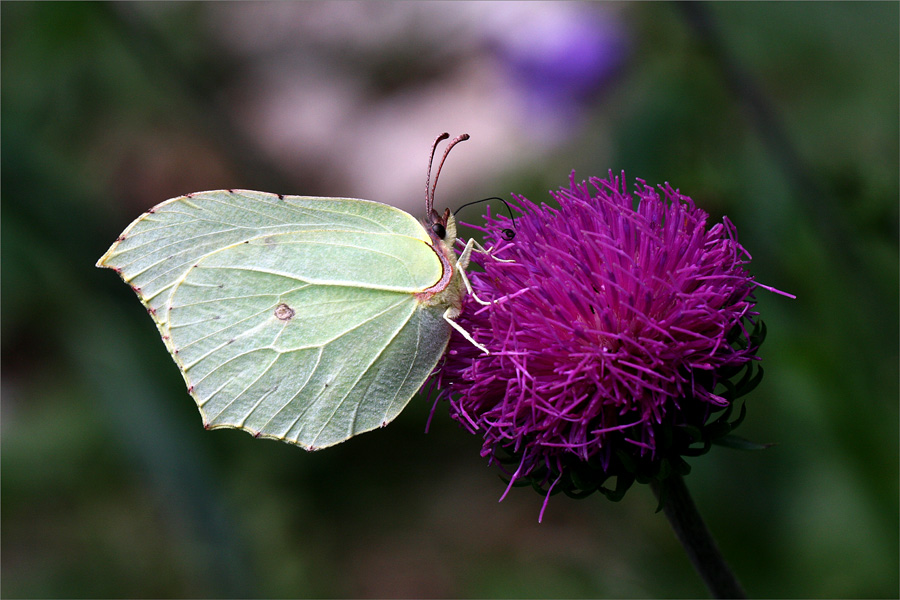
x=284, y=312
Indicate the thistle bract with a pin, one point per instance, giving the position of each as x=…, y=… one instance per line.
x=619, y=338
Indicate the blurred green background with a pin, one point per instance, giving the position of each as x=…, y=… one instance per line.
x=783, y=116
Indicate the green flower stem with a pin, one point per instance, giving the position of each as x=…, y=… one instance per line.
x=700, y=546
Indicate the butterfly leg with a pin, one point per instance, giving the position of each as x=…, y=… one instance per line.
x=461, y=263
x=449, y=314
x=488, y=251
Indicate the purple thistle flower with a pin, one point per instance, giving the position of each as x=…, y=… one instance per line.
x=609, y=334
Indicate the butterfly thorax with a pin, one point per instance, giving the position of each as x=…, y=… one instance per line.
x=448, y=290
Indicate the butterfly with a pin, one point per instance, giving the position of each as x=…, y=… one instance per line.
x=297, y=318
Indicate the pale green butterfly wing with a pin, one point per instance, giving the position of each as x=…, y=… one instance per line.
x=291, y=317
x=156, y=249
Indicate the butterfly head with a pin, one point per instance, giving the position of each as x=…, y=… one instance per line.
x=442, y=228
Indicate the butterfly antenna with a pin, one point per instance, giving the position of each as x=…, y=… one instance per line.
x=460, y=138
x=429, y=193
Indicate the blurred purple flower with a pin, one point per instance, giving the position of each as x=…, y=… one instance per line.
x=615, y=320
x=561, y=60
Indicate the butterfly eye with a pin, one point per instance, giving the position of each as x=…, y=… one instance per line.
x=439, y=230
